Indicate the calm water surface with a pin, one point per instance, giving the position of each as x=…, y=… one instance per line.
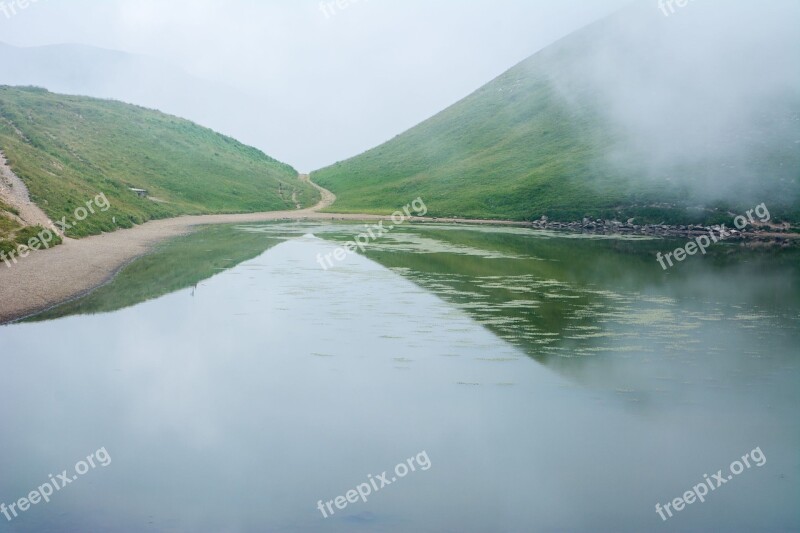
x=556, y=383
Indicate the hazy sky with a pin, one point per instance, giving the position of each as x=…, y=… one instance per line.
x=332, y=84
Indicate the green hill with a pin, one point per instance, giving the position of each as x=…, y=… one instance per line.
x=69, y=149
x=600, y=125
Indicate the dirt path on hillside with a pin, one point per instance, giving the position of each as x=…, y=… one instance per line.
x=327, y=196
x=14, y=193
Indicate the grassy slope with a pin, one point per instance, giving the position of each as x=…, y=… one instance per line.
x=516, y=149
x=73, y=148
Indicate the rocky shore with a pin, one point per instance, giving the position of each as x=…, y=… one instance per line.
x=780, y=235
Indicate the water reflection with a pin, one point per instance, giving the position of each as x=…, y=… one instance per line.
x=278, y=384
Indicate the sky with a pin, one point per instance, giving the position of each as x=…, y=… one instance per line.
x=327, y=82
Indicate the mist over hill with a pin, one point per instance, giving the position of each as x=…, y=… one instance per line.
x=661, y=117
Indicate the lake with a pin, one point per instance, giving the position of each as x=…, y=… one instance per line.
x=527, y=381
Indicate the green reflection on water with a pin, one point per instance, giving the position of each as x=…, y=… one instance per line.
x=176, y=264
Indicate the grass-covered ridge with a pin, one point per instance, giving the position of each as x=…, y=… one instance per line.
x=68, y=149
x=538, y=141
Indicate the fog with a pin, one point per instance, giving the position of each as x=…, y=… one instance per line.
x=307, y=85
x=705, y=96
x=702, y=97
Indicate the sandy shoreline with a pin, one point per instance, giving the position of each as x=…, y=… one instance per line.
x=47, y=278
